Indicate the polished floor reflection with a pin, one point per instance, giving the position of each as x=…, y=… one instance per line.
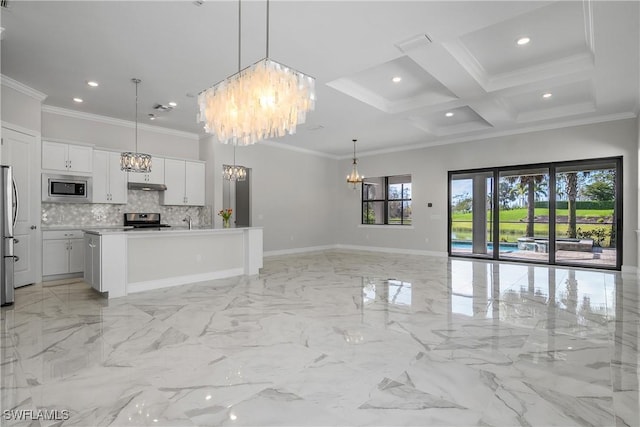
x=335, y=338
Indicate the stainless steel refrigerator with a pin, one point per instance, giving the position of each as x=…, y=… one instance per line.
x=8, y=211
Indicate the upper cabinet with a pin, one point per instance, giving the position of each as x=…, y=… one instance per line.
x=185, y=183
x=109, y=181
x=156, y=176
x=67, y=157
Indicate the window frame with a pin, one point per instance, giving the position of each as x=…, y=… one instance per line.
x=552, y=167
x=403, y=222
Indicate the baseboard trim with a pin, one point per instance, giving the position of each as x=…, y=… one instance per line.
x=298, y=250
x=356, y=248
x=182, y=280
x=631, y=269
x=394, y=250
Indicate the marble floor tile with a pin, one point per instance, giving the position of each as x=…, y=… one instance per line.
x=332, y=338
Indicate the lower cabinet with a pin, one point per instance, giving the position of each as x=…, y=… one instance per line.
x=105, y=263
x=62, y=252
x=92, y=266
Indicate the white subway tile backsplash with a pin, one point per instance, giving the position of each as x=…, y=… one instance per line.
x=56, y=214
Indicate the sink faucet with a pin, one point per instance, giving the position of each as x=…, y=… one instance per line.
x=188, y=220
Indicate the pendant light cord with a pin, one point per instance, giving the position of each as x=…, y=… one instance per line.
x=239, y=65
x=267, y=28
x=239, y=34
x=354, y=152
x=136, y=81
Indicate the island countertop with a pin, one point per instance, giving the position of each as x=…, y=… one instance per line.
x=163, y=230
x=122, y=261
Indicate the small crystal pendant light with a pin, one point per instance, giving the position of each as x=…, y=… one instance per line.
x=355, y=178
x=134, y=161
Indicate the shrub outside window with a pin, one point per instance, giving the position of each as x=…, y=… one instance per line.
x=387, y=200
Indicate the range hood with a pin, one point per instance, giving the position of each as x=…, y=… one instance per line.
x=146, y=186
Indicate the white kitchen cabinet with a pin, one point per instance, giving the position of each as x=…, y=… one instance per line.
x=62, y=252
x=194, y=183
x=156, y=176
x=109, y=181
x=185, y=183
x=67, y=157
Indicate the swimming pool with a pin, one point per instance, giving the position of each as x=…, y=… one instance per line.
x=502, y=247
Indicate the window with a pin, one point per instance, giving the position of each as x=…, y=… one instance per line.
x=387, y=200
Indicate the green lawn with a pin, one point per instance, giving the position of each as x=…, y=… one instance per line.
x=513, y=223
x=521, y=214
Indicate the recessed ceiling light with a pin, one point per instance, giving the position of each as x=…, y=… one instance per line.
x=92, y=83
x=523, y=40
x=78, y=100
x=152, y=116
x=449, y=114
x=547, y=95
x=396, y=79
x=173, y=104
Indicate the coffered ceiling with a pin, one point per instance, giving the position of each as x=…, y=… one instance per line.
x=455, y=57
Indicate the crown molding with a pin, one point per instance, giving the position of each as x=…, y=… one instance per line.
x=20, y=129
x=22, y=88
x=116, y=122
x=497, y=134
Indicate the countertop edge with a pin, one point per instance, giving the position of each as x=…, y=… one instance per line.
x=165, y=231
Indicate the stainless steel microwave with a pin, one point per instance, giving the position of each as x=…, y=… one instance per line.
x=66, y=188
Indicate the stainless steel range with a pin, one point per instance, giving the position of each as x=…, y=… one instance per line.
x=143, y=221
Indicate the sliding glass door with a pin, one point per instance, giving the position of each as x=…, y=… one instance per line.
x=523, y=203
x=586, y=213
x=566, y=213
x=471, y=225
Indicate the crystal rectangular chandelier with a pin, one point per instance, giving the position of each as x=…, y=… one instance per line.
x=264, y=100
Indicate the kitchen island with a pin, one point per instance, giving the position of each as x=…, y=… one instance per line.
x=123, y=261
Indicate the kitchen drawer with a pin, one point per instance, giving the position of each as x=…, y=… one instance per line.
x=62, y=234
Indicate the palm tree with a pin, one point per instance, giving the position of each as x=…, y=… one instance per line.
x=527, y=184
x=572, y=193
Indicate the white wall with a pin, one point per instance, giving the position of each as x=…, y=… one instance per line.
x=119, y=135
x=429, y=167
x=20, y=109
x=291, y=192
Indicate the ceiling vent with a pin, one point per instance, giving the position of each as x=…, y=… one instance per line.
x=414, y=42
x=162, y=108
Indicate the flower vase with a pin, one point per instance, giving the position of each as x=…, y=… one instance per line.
x=225, y=222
